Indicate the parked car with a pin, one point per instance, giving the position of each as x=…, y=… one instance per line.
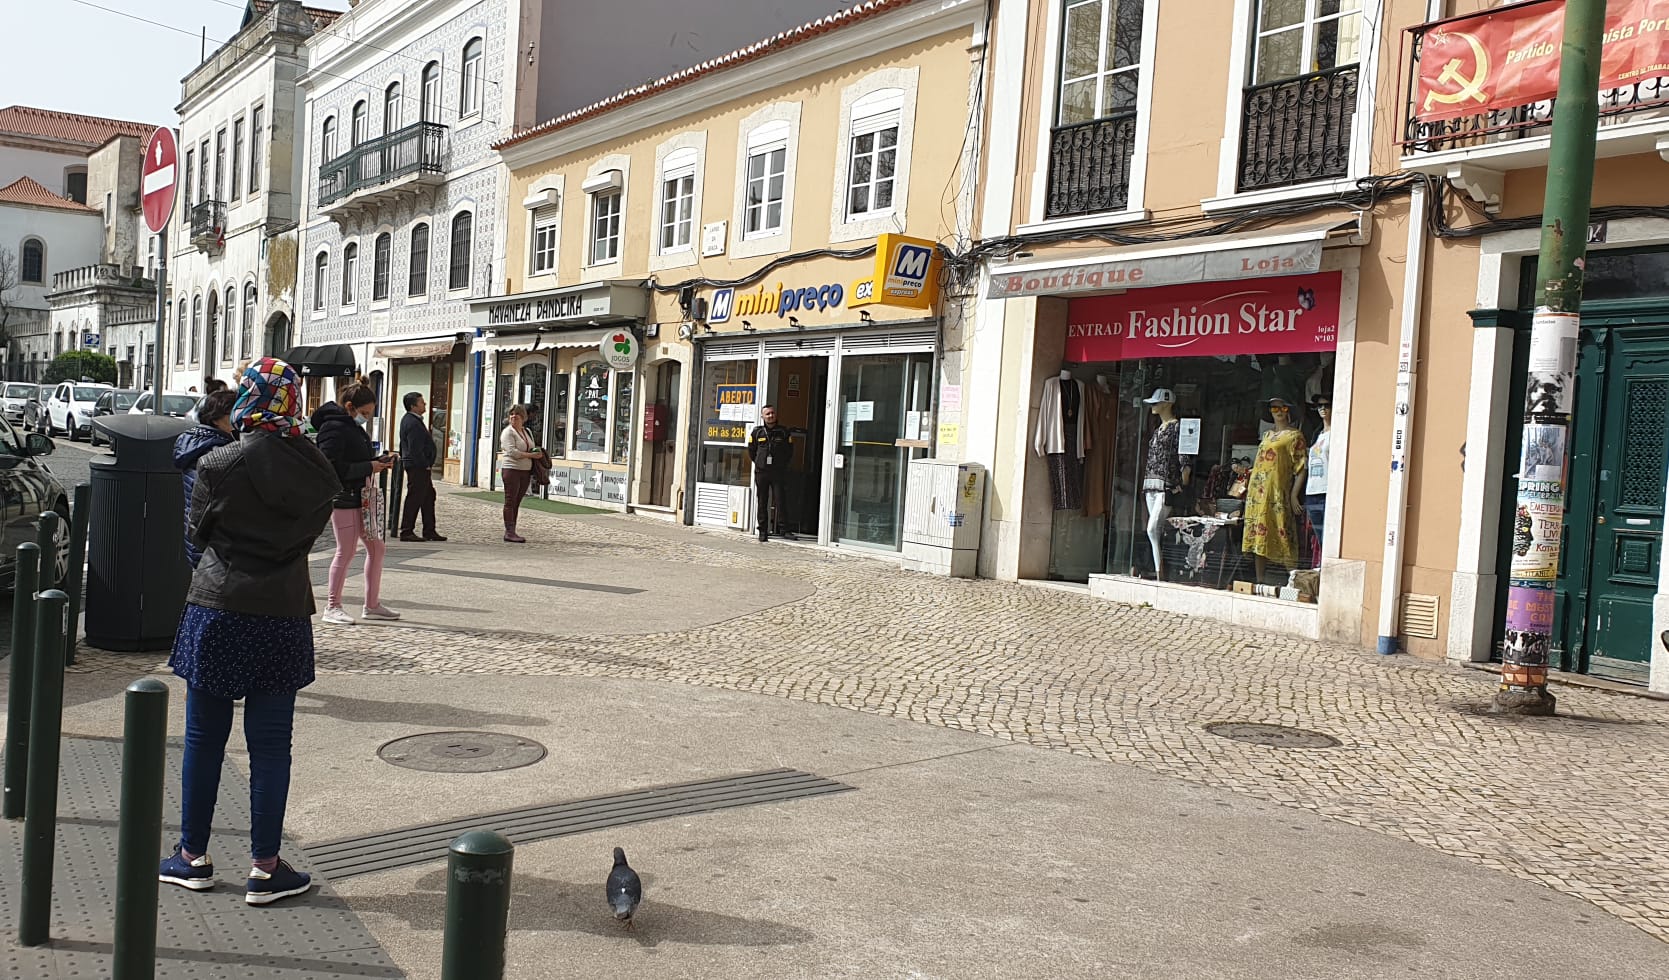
x=34, y=413
x=29, y=490
x=116, y=402
x=179, y=404
x=70, y=409
x=14, y=398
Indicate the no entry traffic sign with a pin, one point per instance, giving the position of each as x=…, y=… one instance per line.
x=158, y=178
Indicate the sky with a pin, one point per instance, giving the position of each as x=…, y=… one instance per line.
x=72, y=56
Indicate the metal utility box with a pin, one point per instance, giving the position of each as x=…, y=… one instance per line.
x=944, y=508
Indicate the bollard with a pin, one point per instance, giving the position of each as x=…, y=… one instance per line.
x=40, y=809
x=22, y=682
x=477, y=906
x=144, y=734
x=396, y=491
x=76, y=576
x=46, y=535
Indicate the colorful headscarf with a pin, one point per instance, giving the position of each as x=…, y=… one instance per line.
x=269, y=394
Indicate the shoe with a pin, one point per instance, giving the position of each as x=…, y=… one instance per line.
x=337, y=616
x=514, y=538
x=283, y=882
x=381, y=612
x=434, y=537
x=763, y=537
x=196, y=875
x=408, y=536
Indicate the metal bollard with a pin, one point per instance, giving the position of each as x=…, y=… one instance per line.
x=477, y=907
x=46, y=535
x=40, y=809
x=76, y=577
x=144, y=737
x=397, y=485
x=23, y=679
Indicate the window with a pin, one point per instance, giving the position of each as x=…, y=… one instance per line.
x=228, y=323
x=591, y=408
x=33, y=261
x=391, y=108
x=321, y=275
x=546, y=222
x=873, y=165
x=429, y=107
x=678, y=200
x=247, y=347
x=203, y=171
x=469, y=97
x=237, y=159
x=1101, y=53
x=350, y=272
x=257, y=117
x=179, y=336
x=327, y=140
x=356, y=128
x=1296, y=37
x=767, y=167
x=219, y=165
x=75, y=185
x=196, y=328
x=622, y=418
x=190, y=168
x=417, y=279
x=381, y=254
x=463, y=246
x=605, y=227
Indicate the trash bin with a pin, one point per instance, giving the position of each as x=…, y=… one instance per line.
x=137, y=573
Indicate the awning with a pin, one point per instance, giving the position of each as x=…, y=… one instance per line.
x=326, y=361
x=542, y=340
x=417, y=351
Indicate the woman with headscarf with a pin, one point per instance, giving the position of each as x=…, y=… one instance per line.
x=247, y=631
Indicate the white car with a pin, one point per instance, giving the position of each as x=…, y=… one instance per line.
x=13, y=397
x=179, y=404
x=70, y=409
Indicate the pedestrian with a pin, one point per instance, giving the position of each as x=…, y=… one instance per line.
x=517, y=452
x=247, y=633
x=417, y=455
x=771, y=447
x=213, y=430
x=344, y=441
x=213, y=385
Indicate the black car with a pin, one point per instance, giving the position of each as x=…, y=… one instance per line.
x=28, y=489
x=112, y=403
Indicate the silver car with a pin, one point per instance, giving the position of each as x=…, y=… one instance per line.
x=14, y=397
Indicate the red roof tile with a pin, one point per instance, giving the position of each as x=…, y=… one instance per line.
x=70, y=127
x=759, y=49
x=25, y=190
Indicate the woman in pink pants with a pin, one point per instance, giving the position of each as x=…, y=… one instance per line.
x=344, y=441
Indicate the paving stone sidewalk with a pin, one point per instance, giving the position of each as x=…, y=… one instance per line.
x=1579, y=803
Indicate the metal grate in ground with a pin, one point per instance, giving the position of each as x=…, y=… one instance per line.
x=409, y=846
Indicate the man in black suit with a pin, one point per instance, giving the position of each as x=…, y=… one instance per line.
x=417, y=455
x=771, y=448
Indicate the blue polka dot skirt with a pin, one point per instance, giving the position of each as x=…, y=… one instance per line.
x=232, y=655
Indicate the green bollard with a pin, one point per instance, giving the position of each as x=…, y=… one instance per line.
x=80, y=514
x=40, y=809
x=144, y=734
x=23, y=679
x=477, y=906
x=46, y=535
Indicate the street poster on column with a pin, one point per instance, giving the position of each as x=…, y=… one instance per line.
x=1552, y=380
x=1542, y=461
x=1536, y=530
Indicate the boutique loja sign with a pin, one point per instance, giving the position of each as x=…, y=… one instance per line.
x=1509, y=56
x=1281, y=315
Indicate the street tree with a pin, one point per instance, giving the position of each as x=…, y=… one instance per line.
x=8, y=293
x=75, y=365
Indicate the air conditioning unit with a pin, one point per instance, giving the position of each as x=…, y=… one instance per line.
x=741, y=509
x=944, y=508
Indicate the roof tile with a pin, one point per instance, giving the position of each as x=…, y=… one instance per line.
x=94, y=131
x=26, y=190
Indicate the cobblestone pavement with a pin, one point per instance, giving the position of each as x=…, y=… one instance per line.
x=1579, y=803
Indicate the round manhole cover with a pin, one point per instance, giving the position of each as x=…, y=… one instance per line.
x=1275, y=736
x=462, y=752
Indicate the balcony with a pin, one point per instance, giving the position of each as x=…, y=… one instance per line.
x=382, y=170
x=1297, y=130
x=102, y=274
x=208, y=225
x=1089, y=166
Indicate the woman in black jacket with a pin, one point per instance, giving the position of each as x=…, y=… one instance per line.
x=213, y=430
x=345, y=443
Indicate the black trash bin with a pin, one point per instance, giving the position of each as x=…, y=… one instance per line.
x=137, y=573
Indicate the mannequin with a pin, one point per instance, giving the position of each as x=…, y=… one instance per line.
x=1062, y=438
x=1166, y=471
x=1275, y=495
x=1315, y=482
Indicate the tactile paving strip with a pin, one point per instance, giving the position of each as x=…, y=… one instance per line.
x=410, y=846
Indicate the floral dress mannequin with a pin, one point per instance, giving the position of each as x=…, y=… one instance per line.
x=1275, y=495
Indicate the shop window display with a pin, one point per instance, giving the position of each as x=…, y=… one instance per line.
x=728, y=411
x=591, y=408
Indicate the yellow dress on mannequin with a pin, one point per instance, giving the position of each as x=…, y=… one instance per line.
x=1271, y=526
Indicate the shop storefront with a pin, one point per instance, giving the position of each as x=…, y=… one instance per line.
x=439, y=371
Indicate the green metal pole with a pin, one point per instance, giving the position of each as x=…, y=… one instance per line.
x=80, y=514
x=477, y=906
x=144, y=737
x=40, y=812
x=22, y=679
x=1539, y=525
x=46, y=535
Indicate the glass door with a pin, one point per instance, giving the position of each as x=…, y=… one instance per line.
x=884, y=399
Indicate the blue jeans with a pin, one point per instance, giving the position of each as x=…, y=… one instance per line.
x=267, y=723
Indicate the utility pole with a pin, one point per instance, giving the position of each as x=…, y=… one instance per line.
x=1539, y=524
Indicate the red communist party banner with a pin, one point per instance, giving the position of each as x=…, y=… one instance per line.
x=1281, y=315
x=1510, y=56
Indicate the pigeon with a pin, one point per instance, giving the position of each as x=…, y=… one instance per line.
x=625, y=891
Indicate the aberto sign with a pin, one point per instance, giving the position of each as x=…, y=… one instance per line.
x=1282, y=315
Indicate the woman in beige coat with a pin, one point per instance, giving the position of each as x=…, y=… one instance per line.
x=517, y=451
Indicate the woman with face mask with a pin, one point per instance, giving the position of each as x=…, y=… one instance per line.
x=344, y=441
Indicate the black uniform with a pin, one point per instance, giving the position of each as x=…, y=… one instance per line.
x=772, y=450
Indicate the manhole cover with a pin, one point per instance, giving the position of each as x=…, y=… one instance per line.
x=462, y=752
x=1276, y=736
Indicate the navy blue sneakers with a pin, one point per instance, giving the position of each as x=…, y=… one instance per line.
x=283, y=882
x=196, y=875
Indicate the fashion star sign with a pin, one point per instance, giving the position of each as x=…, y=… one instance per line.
x=1281, y=315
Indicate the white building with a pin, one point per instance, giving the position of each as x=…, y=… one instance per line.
x=232, y=267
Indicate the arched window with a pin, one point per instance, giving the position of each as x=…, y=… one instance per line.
x=463, y=246
x=469, y=97
x=321, y=273
x=417, y=280
x=327, y=140
x=356, y=130
x=391, y=108
x=196, y=326
x=228, y=325
x=381, y=254
x=33, y=261
x=179, y=336
x=429, y=109
x=211, y=330
x=350, y=272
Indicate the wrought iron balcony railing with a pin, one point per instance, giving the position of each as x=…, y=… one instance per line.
x=208, y=222
x=1089, y=166
x=416, y=149
x=1297, y=130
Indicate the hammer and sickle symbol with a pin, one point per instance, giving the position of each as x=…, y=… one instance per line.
x=1468, y=87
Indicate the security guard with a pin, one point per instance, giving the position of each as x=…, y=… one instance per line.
x=771, y=448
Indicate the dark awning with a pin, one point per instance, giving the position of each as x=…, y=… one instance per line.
x=325, y=361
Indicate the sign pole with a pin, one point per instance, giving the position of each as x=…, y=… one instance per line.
x=1539, y=525
x=158, y=359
